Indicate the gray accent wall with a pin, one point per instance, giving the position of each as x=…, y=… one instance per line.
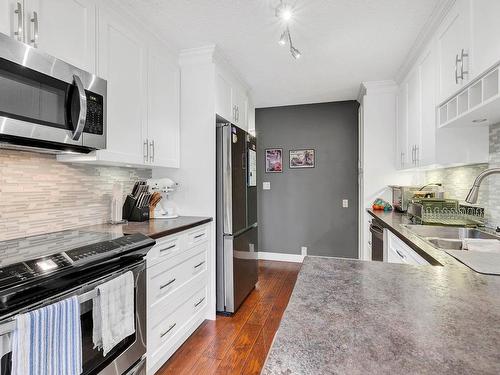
x=304, y=206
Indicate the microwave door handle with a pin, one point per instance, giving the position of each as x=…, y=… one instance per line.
x=82, y=117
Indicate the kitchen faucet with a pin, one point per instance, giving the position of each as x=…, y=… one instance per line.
x=474, y=191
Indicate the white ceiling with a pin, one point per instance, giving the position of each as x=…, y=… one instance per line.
x=343, y=42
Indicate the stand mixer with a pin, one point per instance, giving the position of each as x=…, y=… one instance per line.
x=165, y=209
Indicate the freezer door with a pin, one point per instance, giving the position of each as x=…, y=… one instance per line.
x=240, y=268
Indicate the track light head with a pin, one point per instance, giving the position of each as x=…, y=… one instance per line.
x=295, y=53
x=283, y=38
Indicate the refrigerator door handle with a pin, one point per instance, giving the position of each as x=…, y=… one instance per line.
x=227, y=179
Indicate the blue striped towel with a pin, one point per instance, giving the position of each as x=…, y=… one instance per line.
x=48, y=341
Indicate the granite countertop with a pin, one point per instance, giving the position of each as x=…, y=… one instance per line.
x=358, y=317
x=154, y=228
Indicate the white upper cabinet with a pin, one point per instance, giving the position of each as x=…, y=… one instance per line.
x=454, y=49
x=486, y=35
x=223, y=102
x=122, y=62
x=402, y=127
x=231, y=98
x=65, y=29
x=240, y=102
x=163, y=110
x=414, y=113
x=12, y=18
x=428, y=78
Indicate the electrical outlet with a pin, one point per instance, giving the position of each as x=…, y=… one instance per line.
x=345, y=203
x=304, y=250
x=266, y=185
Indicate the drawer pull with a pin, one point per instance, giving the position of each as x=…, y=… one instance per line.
x=199, y=264
x=168, y=330
x=199, y=302
x=167, y=284
x=400, y=254
x=168, y=248
x=199, y=235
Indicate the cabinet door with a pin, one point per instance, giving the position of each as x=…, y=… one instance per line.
x=454, y=35
x=121, y=60
x=486, y=34
x=66, y=29
x=10, y=21
x=427, y=147
x=414, y=116
x=240, y=104
x=223, y=103
x=402, y=127
x=163, y=111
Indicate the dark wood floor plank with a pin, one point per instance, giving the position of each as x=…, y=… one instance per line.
x=239, y=343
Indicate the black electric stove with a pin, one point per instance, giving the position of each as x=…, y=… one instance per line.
x=36, y=267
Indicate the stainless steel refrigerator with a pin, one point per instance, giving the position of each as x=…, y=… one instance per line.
x=237, y=266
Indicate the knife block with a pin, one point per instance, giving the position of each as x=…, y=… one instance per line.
x=133, y=213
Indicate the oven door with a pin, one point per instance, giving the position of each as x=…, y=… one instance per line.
x=125, y=356
x=45, y=102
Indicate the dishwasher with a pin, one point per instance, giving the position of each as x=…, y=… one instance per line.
x=377, y=241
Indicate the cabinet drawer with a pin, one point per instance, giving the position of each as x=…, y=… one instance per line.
x=165, y=248
x=196, y=236
x=399, y=252
x=164, y=334
x=165, y=279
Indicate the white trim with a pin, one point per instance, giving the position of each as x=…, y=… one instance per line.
x=296, y=258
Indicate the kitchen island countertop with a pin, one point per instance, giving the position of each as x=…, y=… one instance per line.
x=358, y=317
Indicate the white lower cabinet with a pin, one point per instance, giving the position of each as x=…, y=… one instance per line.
x=396, y=251
x=177, y=292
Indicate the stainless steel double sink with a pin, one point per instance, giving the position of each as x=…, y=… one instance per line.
x=447, y=238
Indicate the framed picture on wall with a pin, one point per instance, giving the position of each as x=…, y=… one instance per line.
x=274, y=160
x=302, y=159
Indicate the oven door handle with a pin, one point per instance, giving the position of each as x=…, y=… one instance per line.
x=82, y=117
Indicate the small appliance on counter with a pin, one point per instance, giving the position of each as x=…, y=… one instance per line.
x=403, y=195
x=163, y=208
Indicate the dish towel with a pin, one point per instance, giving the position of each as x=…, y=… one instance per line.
x=113, y=312
x=48, y=341
x=482, y=245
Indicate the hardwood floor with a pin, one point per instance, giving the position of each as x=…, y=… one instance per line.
x=239, y=344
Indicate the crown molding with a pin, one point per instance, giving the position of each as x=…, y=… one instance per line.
x=439, y=12
x=199, y=55
x=377, y=87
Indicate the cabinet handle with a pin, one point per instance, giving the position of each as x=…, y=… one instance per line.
x=168, y=248
x=146, y=151
x=400, y=254
x=402, y=159
x=199, y=302
x=417, y=154
x=152, y=156
x=199, y=264
x=20, y=17
x=167, y=284
x=457, y=61
x=237, y=114
x=168, y=330
x=463, y=55
x=34, y=20
x=199, y=235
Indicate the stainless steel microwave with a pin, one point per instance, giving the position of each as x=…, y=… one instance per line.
x=48, y=104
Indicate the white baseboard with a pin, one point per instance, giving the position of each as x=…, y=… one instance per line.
x=297, y=258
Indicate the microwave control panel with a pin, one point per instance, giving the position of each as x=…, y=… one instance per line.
x=95, y=114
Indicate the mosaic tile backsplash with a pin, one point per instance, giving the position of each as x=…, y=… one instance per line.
x=457, y=181
x=38, y=194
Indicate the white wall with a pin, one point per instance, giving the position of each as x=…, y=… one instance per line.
x=377, y=152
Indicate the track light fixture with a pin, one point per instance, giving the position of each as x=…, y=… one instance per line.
x=285, y=13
